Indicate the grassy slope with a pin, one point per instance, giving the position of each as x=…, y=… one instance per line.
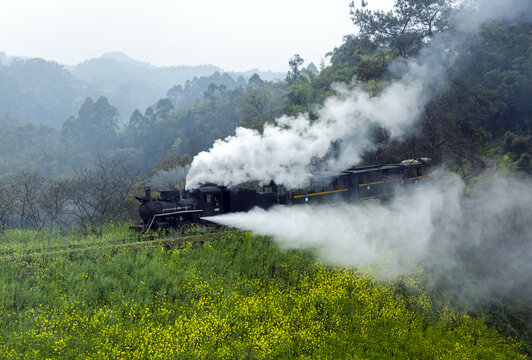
x=239, y=297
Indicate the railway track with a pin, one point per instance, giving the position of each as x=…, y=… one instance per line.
x=125, y=243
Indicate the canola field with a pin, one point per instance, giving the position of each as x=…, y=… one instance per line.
x=239, y=297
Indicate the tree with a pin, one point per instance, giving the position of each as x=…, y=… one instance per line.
x=256, y=108
x=433, y=15
x=53, y=202
x=7, y=206
x=255, y=81
x=98, y=195
x=294, y=63
x=95, y=128
x=299, y=97
x=28, y=187
x=164, y=107
x=404, y=28
x=214, y=90
x=136, y=120
x=260, y=103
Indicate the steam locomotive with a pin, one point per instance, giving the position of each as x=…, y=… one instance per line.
x=176, y=209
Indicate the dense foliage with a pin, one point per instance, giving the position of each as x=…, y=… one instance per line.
x=237, y=297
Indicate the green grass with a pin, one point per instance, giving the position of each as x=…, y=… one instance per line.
x=237, y=297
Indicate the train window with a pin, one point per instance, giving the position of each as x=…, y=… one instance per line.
x=216, y=200
x=392, y=172
x=267, y=189
x=207, y=198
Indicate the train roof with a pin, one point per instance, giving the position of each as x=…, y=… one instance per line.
x=363, y=169
x=403, y=164
x=209, y=189
x=324, y=175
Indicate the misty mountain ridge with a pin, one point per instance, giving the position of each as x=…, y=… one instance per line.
x=124, y=59
x=46, y=92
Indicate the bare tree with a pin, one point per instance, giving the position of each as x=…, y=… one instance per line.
x=7, y=206
x=27, y=188
x=53, y=202
x=98, y=194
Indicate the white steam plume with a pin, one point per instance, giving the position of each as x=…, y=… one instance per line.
x=477, y=244
x=169, y=179
x=359, y=234
x=285, y=151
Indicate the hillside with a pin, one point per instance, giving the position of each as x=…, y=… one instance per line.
x=39, y=91
x=236, y=297
x=46, y=93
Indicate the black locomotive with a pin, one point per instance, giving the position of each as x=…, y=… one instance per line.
x=176, y=209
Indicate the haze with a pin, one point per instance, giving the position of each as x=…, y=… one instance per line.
x=232, y=34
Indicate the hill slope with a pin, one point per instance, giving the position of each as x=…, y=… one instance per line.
x=238, y=297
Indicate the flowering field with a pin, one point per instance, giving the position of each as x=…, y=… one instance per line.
x=238, y=297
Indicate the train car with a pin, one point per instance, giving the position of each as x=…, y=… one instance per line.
x=357, y=184
x=175, y=209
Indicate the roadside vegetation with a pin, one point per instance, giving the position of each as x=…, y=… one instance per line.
x=237, y=297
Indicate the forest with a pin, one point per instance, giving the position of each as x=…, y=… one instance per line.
x=480, y=116
x=75, y=182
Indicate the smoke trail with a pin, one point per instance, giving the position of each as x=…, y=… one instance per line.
x=475, y=244
x=475, y=13
x=169, y=179
x=286, y=150
x=359, y=234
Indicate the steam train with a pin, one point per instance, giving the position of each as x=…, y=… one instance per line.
x=176, y=209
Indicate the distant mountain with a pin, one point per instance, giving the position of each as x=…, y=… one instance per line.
x=6, y=59
x=129, y=84
x=45, y=92
x=122, y=58
x=39, y=91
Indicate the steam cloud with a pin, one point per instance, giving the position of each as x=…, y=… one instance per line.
x=473, y=243
x=285, y=151
x=476, y=244
x=169, y=179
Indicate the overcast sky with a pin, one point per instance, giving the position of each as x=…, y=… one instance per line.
x=233, y=34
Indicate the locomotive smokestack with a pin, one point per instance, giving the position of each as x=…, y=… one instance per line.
x=148, y=193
